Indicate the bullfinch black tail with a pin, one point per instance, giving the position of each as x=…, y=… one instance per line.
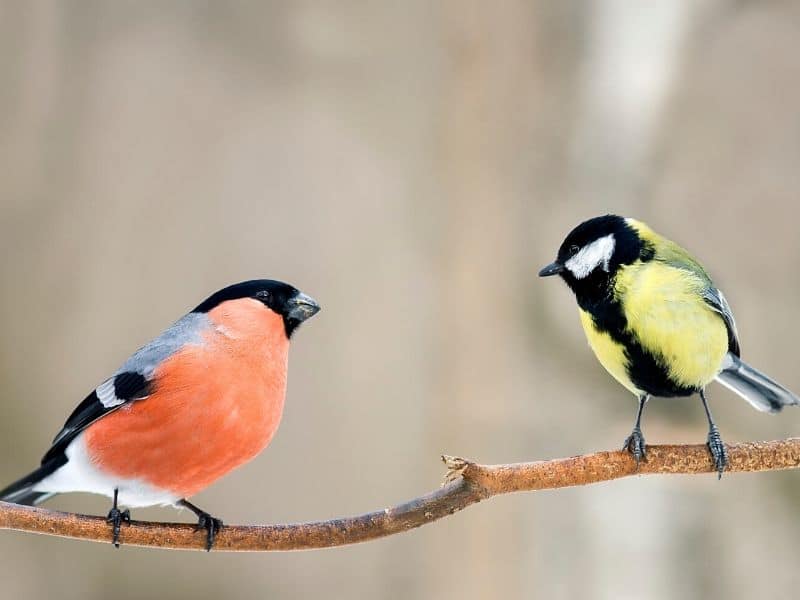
x=27, y=497
x=21, y=491
x=763, y=393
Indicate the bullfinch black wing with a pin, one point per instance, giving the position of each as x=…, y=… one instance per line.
x=107, y=397
x=133, y=382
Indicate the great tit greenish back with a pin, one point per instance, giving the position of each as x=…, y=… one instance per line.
x=656, y=322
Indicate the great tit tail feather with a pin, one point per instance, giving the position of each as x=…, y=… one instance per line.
x=762, y=392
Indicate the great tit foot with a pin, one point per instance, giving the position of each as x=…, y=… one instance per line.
x=717, y=448
x=116, y=518
x=212, y=525
x=634, y=444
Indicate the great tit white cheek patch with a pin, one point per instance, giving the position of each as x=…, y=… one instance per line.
x=592, y=256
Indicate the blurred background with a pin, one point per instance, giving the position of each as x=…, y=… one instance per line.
x=411, y=165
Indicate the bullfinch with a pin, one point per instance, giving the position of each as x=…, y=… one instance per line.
x=201, y=399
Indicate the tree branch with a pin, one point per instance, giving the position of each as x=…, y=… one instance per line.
x=466, y=483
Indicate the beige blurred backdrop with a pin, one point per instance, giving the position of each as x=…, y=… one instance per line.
x=411, y=165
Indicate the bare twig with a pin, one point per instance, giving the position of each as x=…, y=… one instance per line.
x=466, y=483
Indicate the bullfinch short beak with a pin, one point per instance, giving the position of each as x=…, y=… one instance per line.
x=554, y=268
x=302, y=307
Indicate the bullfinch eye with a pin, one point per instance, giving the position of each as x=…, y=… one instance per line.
x=262, y=295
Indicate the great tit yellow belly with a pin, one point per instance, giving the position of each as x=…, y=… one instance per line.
x=656, y=322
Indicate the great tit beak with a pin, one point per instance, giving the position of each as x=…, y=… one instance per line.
x=302, y=307
x=554, y=268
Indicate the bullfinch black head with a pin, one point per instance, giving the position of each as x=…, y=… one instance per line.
x=289, y=302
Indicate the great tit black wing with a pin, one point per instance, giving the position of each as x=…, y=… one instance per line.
x=716, y=300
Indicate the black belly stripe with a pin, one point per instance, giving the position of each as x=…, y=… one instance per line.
x=647, y=374
x=645, y=369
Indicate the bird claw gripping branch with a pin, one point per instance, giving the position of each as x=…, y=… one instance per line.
x=116, y=518
x=717, y=449
x=635, y=444
x=212, y=525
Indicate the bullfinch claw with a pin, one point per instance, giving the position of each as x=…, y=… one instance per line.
x=116, y=518
x=212, y=525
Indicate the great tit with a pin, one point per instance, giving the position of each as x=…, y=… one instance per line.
x=656, y=322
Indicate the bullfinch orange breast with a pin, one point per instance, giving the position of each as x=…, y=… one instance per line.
x=201, y=399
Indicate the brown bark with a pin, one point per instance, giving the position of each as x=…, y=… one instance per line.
x=466, y=483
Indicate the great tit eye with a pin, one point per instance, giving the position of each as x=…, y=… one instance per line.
x=573, y=250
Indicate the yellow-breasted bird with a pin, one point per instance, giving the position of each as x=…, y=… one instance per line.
x=656, y=321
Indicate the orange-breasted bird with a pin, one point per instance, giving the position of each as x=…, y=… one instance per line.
x=201, y=399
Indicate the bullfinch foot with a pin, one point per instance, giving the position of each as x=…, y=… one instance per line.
x=116, y=518
x=635, y=444
x=717, y=448
x=212, y=525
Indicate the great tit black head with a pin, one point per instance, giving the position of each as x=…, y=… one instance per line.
x=595, y=249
